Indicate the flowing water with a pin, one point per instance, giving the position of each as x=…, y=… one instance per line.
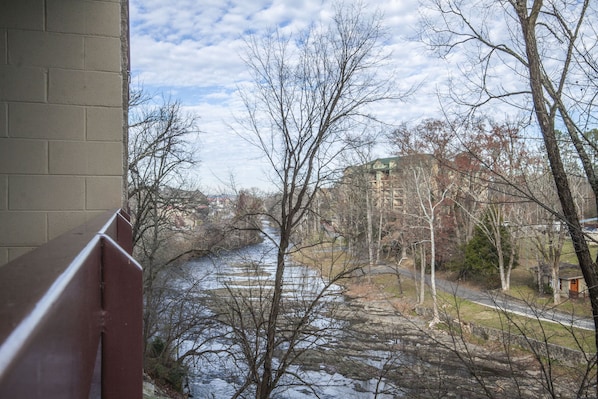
x=360, y=349
x=216, y=374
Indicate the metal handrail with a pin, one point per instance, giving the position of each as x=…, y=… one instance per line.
x=71, y=316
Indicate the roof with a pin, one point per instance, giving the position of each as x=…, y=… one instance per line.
x=567, y=271
x=394, y=162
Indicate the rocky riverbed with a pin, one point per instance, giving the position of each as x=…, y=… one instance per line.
x=387, y=350
x=372, y=345
x=383, y=340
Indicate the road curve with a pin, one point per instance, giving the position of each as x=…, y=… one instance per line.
x=496, y=300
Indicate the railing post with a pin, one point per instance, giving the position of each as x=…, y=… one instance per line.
x=71, y=317
x=124, y=232
x=122, y=304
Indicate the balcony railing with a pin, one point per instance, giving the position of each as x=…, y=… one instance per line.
x=71, y=316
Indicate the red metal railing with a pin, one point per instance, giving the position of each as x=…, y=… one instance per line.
x=71, y=316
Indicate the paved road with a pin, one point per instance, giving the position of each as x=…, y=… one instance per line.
x=497, y=301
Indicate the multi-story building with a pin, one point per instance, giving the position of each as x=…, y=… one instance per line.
x=386, y=178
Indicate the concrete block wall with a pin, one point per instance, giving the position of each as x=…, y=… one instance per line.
x=63, y=86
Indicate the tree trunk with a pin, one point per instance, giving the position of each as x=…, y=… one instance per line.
x=433, y=273
x=379, y=238
x=545, y=120
x=501, y=256
x=422, y=276
x=556, y=261
x=370, y=234
x=556, y=292
x=265, y=387
x=510, y=265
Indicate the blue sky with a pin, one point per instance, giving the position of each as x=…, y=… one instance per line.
x=190, y=50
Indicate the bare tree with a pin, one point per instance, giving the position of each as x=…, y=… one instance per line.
x=364, y=182
x=500, y=151
x=546, y=232
x=546, y=55
x=438, y=140
x=430, y=197
x=163, y=208
x=306, y=95
x=349, y=210
x=428, y=150
x=159, y=156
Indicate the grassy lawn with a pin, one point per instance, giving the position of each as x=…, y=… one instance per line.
x=523, y=282
x=469, y=312
x=542, y=331
x=569, y=253
x=333, y=262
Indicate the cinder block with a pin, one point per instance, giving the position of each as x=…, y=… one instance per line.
x=105, y=124
x=15, y=252
x=46, y=121
x=46, y=49
x=3, y=119
x=86, y=158
x=85, y=88
x=22, y=83
x=23, y=228
x=23, y=156
x=105, y=158
x=3, y=55
x=3, y=193
x=85, y=17
x=3, y=256
x=46, y=193
x=22, y=14
x=102, y=54
x=61, y=222
x=68, y=158
x=104, y=193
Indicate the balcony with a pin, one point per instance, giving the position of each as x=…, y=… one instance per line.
x=71, y=316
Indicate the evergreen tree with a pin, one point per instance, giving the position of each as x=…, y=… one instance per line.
x=481, y=255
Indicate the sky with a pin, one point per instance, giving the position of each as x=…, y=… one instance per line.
x=191, y=50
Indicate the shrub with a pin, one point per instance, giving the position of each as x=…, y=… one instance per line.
x=163, y=367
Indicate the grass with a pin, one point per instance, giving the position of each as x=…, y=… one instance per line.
x=523, y=283
x=569, y=256
x=334, y=262
x=543, y=331
x=472, y=313
x=527, y=253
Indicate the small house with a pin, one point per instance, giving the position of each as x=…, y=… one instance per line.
x=571, y=281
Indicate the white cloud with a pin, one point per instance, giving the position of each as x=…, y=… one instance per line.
x=191, y=51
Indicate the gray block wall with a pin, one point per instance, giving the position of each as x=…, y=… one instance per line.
x=63, y=87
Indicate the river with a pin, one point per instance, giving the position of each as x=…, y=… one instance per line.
x=358, y=349
x=216, y=373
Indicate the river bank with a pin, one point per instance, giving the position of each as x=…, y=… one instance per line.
x=387, y=349
x=372, y=340
x=390, y=342
x=455, y=359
